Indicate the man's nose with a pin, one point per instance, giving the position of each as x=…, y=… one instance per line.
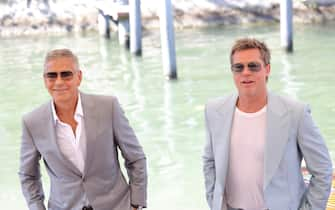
x=59, y=80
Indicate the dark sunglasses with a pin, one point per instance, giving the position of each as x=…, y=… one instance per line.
x=65, y=75
x=252, y=66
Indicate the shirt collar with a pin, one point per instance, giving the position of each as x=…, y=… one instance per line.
x=78, y=112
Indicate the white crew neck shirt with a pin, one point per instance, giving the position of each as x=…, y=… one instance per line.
x=244, y=183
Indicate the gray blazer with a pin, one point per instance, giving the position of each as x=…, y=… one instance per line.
x=290, y=136
x=102, y=183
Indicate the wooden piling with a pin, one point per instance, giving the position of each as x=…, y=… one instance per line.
x=104, y=24
x=123, y=32
x=135, y=27
x=167, y=40
x=286, y=25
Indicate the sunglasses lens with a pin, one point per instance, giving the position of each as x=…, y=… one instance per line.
x=51, y=75
x=254, y=66
x=66, y=74
x=237, y=67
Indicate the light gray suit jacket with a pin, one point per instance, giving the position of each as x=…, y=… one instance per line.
x=290, y=136
x=102, y=182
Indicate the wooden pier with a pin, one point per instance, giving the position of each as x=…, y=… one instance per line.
x=117, y=13
x=128, y=18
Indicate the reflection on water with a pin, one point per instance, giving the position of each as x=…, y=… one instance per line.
x=291, y=85
x=167, y=116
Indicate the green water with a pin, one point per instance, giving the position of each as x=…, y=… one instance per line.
x=167, y=116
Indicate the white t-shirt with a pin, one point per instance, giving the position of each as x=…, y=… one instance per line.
x=244, y=183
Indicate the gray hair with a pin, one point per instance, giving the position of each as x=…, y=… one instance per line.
x=60, y=53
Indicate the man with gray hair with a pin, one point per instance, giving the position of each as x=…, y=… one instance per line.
x=256, y=141
x=78, y=136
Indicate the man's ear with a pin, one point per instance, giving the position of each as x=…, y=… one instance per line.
x=80, y=75
x=268, y=69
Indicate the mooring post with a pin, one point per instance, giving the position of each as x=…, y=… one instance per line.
x=135, y=27
x=104, y=24
x=286, y=25
x=123, y=32
x=167, y=40
x=122, y=20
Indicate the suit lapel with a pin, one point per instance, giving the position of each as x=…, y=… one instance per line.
x=226, y=111
x=50, y=133
x=276, y=136
x=91, y=128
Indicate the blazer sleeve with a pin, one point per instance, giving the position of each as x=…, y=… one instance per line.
x=29, y=172
x=318, y=163
x=135, y=160
x=208, y=164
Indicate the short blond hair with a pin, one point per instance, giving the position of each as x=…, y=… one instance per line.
x=251, y=43
x=60, y=53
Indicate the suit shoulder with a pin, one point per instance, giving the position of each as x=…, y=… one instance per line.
x=39, y=111
x=293, y=106
x=291, y=103
x=97, y=98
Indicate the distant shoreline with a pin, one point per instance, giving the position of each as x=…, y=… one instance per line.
x=18, y=20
